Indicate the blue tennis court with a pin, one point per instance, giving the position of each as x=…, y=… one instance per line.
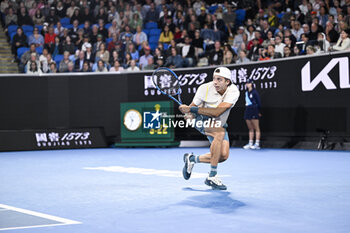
x=142, y=190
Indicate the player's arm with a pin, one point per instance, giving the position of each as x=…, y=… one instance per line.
x=211, y=112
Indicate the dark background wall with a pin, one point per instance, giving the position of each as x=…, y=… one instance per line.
x=92, y=100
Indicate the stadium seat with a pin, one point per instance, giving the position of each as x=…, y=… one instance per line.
x=81, y=26
x=240, y=16
x=108, y=25
x=166, y=46
x=27, y=28
x=108, y=40
x=69, y=26
x=65, y=21
x=153, y=39
x=151, y=25
x=146, y=31
x=12, y=28
x=20, y=51
x=153, y=46
x=39, y=50
x=12, y=34
x=40, y=27
x=154, y=32
x=58, y=58
x=28, y=34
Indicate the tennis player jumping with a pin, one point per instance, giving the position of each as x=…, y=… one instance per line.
x=213, y=100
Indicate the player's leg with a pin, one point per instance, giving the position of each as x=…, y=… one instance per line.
x=256, y=126
x=206, y=158
x=250, y=126
x=216, y=146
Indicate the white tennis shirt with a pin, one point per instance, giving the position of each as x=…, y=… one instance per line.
x=207, y=97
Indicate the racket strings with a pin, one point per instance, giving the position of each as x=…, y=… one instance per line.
x=167, y=82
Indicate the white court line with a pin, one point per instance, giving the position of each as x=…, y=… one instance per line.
x=147, y=171
x=63, y=221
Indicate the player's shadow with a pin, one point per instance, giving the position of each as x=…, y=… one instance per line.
x=217, y=201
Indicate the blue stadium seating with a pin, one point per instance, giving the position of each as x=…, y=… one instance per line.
x=69, y=26
x=240, y=16
x=166, y=46
x=28, y=34
x=39, y=50
x=12, y=34
x=20, y=51
x=27, y=28
x=40, y=27
x=154, y=32
x=65, y=21
x=81, y=26
x=12, y=28
x=153, y=46
x=153, y=39
x=151, y=25
x=58, y=58
x=108, y=25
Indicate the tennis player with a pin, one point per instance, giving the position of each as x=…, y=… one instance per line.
x=213, y=101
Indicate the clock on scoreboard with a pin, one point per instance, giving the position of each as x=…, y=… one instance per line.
x=143, y=124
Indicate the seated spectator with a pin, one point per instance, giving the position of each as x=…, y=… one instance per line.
x=267, y=41
x=287, y=52
x=60, y=10
x=331, y=33
x=117, y=68
x=306, y=42
x=150, y=65
x=101, y=16
x=323, y=45
x=144, y=58
x=73, y=32
x=102, y=54
x=188, y=53
x=68, y=45
x=238, y=39
x=99, y=41
x=279, y=46
x=158, y=55
x=70, y=10
x=64, y=63
x=70, y=68
x=310, y=50
x=87, y=16
x=38, y=18
x=50, y=37
x=296, y=50
x=26, y=57
x=174, y=60
x=86, y=67
x=216, y=55
x=114, y=56
x=79, y=62
x=113, y=29
x=343, y=42
x=172, y=45
x=75, y=16
x=242, y=57
x=36, y=38
x=10, y=18
x=152, y=14
x=136, y=21
x=34, y=57
x=59, y=29
x=127, y=61
x=56, y=48
x=89, y=55
x=219, y=28
x=132, y=50
x=53, y=68
x=258, y=36
x=23, y=18
x=102, y=30
x=52, y=18
x=132, y=67
x=19, y=40
x=101, y=67
x=43, y=60
x=139, y=36
x=229, y=55
x=87, y=28
x=166, y=36
x=33, y=68
x=253, y=54
x=271, y=53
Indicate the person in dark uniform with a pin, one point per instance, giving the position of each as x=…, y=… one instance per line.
x=252, y=115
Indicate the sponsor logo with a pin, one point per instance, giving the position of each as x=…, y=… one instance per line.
x=54, y=139
x=323, y=77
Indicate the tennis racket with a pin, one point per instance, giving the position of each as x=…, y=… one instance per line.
x=167, y=82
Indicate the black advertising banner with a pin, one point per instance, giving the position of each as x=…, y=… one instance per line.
x=299, y=96
x=52, y=139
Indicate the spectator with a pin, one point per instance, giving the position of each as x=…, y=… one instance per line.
x=79, y=63
x=70, y=10
x=202, y=17
x=56, y=48
x=52, y=18
x=10, y=18
x=89, y=55
x=34, y=57
x=87, y=16
x=310, y=50
x=23, y=18
x=116, y=68
x=297, y=30
x=113, y=29
x=63, y=67
x=68, y=45
x=306, y=42
x=87, y=29
x=322, y=43
x=216, y=55
x=238, y=40
x=287, y=52
x=136, y=21
x=60, y=10
x=102, y=30
x=127, y=61
x=250, y=32
x=242, y=58
x=94, y=34
x=271, y=53
x=73, y=32
x=151, y=15
x=296, y=50
x=268, y=40
x=33, y=68
x=139, y=36
x=86, y=67
x=343, y=42
x=279, y=46
x=36, y=38
x=59, y=29
x=132, y=66
x=70, y=67
x=38, y=18
x=50, y=37
x=166, y=36
x=218, y=26
x=144, y=59
x=150, y=65
x=253, y=53
x=80, y=39
x=229, y=18
x=101, y=16
x=75, y=16
x=19, y=40
x=272, y=20
x=188, y=53
x=102, y=54
x=175, y=60
x=43, y=60
x=229, y=55
x=158, y=54
x=53, y=68
x=257, y=36
x=331, y=33
x=197, y=43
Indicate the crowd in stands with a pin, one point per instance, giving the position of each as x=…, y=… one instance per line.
x=49, y=36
